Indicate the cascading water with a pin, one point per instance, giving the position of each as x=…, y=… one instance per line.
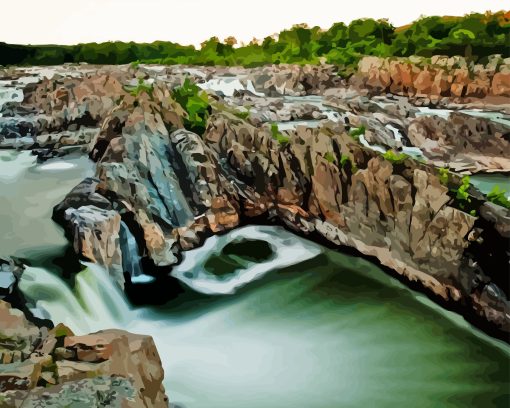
x=131, y=259
x=328, y=333
x=94, y=303
x=411, y=151
x=227, y=86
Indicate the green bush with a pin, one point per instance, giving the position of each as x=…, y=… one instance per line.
x=278, y=136
x=462, y=194
x=242, y=115
x=444, y=176
x=355, y=133
x=139, y=88
x=497, y=196
x=195, y=102
x=330, y=157
x=395, y=158
x=346, y=161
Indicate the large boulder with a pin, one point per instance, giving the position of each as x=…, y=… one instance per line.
x=55, y=368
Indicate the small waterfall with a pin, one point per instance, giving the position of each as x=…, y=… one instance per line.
x=131, y=259
x=229, y=85
x=374, y=147
x=95, y=303
x=411, y=151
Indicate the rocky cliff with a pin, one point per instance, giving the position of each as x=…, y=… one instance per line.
x=435, y=78
x=50, y=366
x=167, y=189
x=173, y=188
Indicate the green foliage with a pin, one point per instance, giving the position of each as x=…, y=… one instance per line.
x=278, y=136
x=242, y=115
x=498, y=196
x=462, y=194
x=139, y=88
x=395, y=158
x=196, y=103
x=330, y=157
x=444, y=176
x=355, y=133
x=475, y=35
x=346, y=161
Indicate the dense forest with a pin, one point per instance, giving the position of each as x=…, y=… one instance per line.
x=474, y=36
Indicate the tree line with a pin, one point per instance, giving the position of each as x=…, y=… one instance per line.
x=474, y=36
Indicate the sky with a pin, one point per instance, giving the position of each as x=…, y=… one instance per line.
x=193, y=21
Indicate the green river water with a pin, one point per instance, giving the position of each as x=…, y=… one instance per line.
x=287, y=323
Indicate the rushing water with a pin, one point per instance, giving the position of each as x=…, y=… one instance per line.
x=268, y=319
x=487, y=182
x=28, y=192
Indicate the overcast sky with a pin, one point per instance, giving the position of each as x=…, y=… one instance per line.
x=192, y=21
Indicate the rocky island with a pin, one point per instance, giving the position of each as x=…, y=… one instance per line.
x=397, y=161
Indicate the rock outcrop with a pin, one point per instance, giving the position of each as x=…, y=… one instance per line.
x=169, y=188
x=42, y=366
x=439, y=77
x=462, y=142
x=175, y=188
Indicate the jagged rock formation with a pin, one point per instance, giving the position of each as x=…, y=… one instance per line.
x=435, y=78
x=42, y=366
x=173, y=188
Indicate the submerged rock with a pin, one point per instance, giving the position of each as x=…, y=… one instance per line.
x=10, y=273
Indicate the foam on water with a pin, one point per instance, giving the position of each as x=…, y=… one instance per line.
x=286, y=249
x=229, y=85
x=94, y=303
x=57, y=166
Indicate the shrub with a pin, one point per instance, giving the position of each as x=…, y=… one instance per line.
x=395, y=158
x=242, y=115
x=461, y=193
x=139, y=88
x=278, y=136
x=346, y=161
x=444, y=175
x=355, y=133
x=497, y=196
x=330, y=157
x=196, y=103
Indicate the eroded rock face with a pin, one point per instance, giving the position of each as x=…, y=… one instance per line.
x=96, y=237
x=112, y=367
x=174, y=189
x=294, y=80
x=461, y=142
x=441, y=77
x=171, y=188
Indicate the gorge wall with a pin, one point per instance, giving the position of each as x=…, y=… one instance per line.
x=173, y=188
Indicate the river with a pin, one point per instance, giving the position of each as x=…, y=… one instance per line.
x=260, y=318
